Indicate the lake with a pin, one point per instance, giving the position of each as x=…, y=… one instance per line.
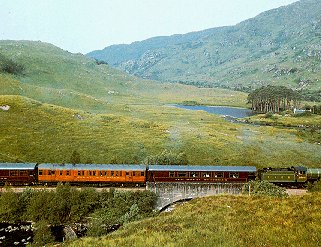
x=234, y=112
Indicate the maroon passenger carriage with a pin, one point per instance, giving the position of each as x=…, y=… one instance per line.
x=209, y=174
x=18, y=173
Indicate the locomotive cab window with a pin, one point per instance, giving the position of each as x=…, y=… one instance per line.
x=234, y=175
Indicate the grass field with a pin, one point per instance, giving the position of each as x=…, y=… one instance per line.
x=33, y=131
x=66, y=102
x=225, y=221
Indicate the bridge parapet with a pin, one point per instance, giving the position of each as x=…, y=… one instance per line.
x=169, y=193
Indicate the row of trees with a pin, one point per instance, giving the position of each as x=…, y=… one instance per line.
x=273, y=99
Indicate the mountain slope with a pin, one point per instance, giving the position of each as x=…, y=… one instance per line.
x=280, y=46
x=55, y=76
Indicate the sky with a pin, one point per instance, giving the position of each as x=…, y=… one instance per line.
x=87, y=25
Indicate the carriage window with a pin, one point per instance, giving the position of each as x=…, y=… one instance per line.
x=194, y=174
x=120, y=173
x=116, y=173
x=60, y=173
x=40, y=172
x=101, y=173
x=94, y=173
x=112, y=173
x=182, y=174
x=127, y=173
x=14, y=173
x=24, y=173
x=67, y=173
x=51, y=172
x=171, y=174
x=105, y=173
x=234, y=175
x=142, y=174
x=218, y=174
x=206, y=174
x=79, y=173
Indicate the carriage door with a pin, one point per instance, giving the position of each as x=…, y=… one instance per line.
x=129, y=176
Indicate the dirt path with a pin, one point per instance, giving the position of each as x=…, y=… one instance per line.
x=296, y=192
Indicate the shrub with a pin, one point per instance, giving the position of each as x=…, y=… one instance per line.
x=314, y=187
x=42, y=234
x=264, y=188
x=11, y=67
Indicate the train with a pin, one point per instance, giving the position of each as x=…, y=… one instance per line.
x=139, y=175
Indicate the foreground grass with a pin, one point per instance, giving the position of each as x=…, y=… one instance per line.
x=225, y=221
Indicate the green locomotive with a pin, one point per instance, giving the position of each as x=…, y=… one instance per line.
x=295, y=176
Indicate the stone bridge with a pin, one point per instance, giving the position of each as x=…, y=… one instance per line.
x=169, y=193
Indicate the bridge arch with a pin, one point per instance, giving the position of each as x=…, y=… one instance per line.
x=168, y=193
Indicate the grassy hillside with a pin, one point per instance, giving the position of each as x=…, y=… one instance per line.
x=225, y=221
x=62, y=102
x=55, y=76
x=280, y=47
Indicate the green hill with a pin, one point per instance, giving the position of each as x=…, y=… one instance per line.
x=55, y=76
x=280, y=47
x=225, y=221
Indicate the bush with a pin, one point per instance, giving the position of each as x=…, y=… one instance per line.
x=11, y=67
x=314, y=187
x=42, y=234
x=264, y=188
x=119, y=208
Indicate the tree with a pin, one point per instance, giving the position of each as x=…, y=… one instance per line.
x=273, y=99
x=75, y=157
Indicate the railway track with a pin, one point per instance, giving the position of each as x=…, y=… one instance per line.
x=21, y=189
x=291, y=192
